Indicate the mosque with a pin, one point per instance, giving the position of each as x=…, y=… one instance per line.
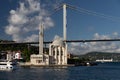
x=57, y=49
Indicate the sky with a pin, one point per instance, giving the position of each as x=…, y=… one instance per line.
x=89, y=19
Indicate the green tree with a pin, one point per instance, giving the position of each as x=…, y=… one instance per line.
x=26, y=54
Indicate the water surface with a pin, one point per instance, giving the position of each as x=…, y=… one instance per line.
x=103, y=71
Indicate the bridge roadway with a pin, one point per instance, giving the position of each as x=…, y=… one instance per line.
x=68, y=41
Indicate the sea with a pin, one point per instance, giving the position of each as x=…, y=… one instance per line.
x=102, y=71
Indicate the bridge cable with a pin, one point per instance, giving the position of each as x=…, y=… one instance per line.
x=86, y=11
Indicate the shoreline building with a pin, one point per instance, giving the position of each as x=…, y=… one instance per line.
x=41, y=58
x=13, y=55
x=58, y=52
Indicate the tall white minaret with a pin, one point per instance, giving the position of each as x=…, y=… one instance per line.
x=41, y=39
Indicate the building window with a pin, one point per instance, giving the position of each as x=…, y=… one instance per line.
x=38, y=61
x=61, y=52
x=53, y=53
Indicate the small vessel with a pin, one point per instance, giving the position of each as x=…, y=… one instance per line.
x=104, y=60
x=86, y=64
x=7, y=65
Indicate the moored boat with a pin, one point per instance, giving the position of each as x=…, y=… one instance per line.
x=104, y=60
x=7, y=65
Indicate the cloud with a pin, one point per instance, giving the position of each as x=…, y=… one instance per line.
x=26, y=19
x=10, y=29
x=31, y=38
x=83, y=48
x=115, y=34
x=53, y=3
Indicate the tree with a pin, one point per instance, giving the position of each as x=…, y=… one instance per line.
x=26, y=54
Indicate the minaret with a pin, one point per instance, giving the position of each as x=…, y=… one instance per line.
x=41, y=40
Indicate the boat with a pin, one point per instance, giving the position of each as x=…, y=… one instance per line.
x=7, y=65
x=86, y=64
x=104, y=60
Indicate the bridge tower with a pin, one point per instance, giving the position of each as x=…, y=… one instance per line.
x=65, y=31
x=58, y=49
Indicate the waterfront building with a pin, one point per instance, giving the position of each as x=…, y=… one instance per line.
x=18, y=55
x=12, y=55
x=58, y=52
x=57, y=55
x=39, y=59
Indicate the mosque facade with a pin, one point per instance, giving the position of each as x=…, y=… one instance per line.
x=57, y=55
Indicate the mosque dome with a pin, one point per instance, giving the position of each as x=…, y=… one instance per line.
x=57, y=41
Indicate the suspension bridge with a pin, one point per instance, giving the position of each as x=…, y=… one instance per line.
x=67, y=41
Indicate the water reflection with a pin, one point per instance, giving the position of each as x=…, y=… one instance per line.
x=51, y=73
x=41, y=73
x=99, y=72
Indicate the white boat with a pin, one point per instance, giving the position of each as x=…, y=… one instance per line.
x=7, y=65
x=104, y=60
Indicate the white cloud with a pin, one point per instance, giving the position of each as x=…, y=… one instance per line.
x=31, y=38
x=115, y=34
x=17, y=37
x=82, y=48
x=98, y=36
x=11, y=30
x=75, y=44
x=26, y=19
x=16, y=19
